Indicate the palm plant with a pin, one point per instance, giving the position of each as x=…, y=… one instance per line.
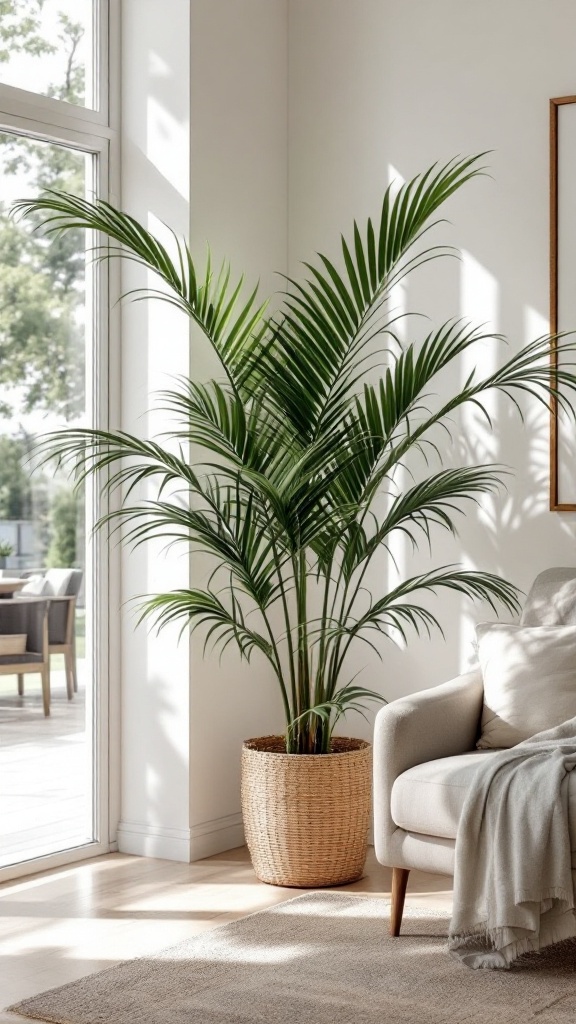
x=304, y=439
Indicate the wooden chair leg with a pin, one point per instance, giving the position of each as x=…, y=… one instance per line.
x=46, y=689
x=69, y=666
x=20, y=685
x=399, y=883
x=74, y=672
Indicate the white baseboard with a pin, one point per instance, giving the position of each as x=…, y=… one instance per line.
x=154, y=841
x=186, y=845
x=216, y=836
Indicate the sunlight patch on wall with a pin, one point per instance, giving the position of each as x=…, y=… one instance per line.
x=397, y=559
x=479, y=436
x=479, y=306
x=536, y=432
x=158, y=67
x=167, y=142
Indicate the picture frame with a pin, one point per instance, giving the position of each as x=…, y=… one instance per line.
x=562, y=296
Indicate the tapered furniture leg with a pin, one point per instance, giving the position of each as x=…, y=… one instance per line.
x=69, y=674
x=73, y=661
x=399, y=883
x=46, y=688
x=20, y=685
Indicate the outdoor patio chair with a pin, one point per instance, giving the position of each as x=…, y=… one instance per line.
x=29, y=617
x=62, y=587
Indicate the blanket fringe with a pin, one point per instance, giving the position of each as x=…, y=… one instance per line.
x=496, y=947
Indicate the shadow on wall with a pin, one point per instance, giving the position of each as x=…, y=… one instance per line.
x=507, y=533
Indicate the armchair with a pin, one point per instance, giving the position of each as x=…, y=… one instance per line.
x=425, y=758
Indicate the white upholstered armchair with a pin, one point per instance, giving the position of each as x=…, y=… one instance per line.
x=425, y=757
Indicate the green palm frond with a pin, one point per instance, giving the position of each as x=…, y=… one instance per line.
x=318, y=722
x=320, y=343
x=223, y=625
x=289, y=472
x=526, y=373
x=244, y=435
x=233, y=324
x=392, y=612
x=117, y=459
x=435, y=500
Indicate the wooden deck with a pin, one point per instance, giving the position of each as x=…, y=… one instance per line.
x=45, y=768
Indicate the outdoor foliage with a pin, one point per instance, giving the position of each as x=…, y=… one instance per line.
x=15, y=486
x=305, y=438
x=41, y=292
x=41, y=342
x=62, y=529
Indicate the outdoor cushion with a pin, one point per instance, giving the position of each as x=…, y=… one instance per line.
x=428, y=799
x=56, y=581
x=20, y=659
x=529, y=677
x=35, y=585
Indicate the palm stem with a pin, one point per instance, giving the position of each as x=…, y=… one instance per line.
x=292, y=712
x=278, y=666
x=304, y=736
x=319, y=690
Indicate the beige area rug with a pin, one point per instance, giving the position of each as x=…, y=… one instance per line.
x=322, y=958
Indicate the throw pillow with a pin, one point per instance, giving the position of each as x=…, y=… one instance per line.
x=529, y=680
x=36, y=586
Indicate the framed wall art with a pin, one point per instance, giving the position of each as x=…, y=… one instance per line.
x=562, y=289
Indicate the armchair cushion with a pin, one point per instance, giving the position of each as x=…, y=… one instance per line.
x=428, y=798
x=529, y=680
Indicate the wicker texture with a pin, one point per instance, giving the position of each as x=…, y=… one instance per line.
x=306, y=816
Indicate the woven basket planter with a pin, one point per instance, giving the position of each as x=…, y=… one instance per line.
x=306, y=816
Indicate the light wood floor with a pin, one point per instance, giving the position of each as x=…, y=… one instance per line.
x=60, y=925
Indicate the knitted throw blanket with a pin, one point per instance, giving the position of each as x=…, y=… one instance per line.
x=513, y=882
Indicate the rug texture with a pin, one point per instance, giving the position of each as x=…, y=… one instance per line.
x=322, y=958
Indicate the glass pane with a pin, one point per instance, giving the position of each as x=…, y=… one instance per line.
x=46, y=47
x=46, y=764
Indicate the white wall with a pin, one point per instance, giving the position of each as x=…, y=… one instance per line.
x=265, y=126
x=155, y=344
x=204, y=130
x=377, y=85
x=238, y=204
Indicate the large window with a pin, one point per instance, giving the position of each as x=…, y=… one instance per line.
x=48, y=46
x=53, y=343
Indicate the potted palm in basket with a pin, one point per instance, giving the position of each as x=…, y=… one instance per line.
x=296, y=494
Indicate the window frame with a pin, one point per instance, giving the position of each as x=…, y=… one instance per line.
x=105, y=28
x=92, y=131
